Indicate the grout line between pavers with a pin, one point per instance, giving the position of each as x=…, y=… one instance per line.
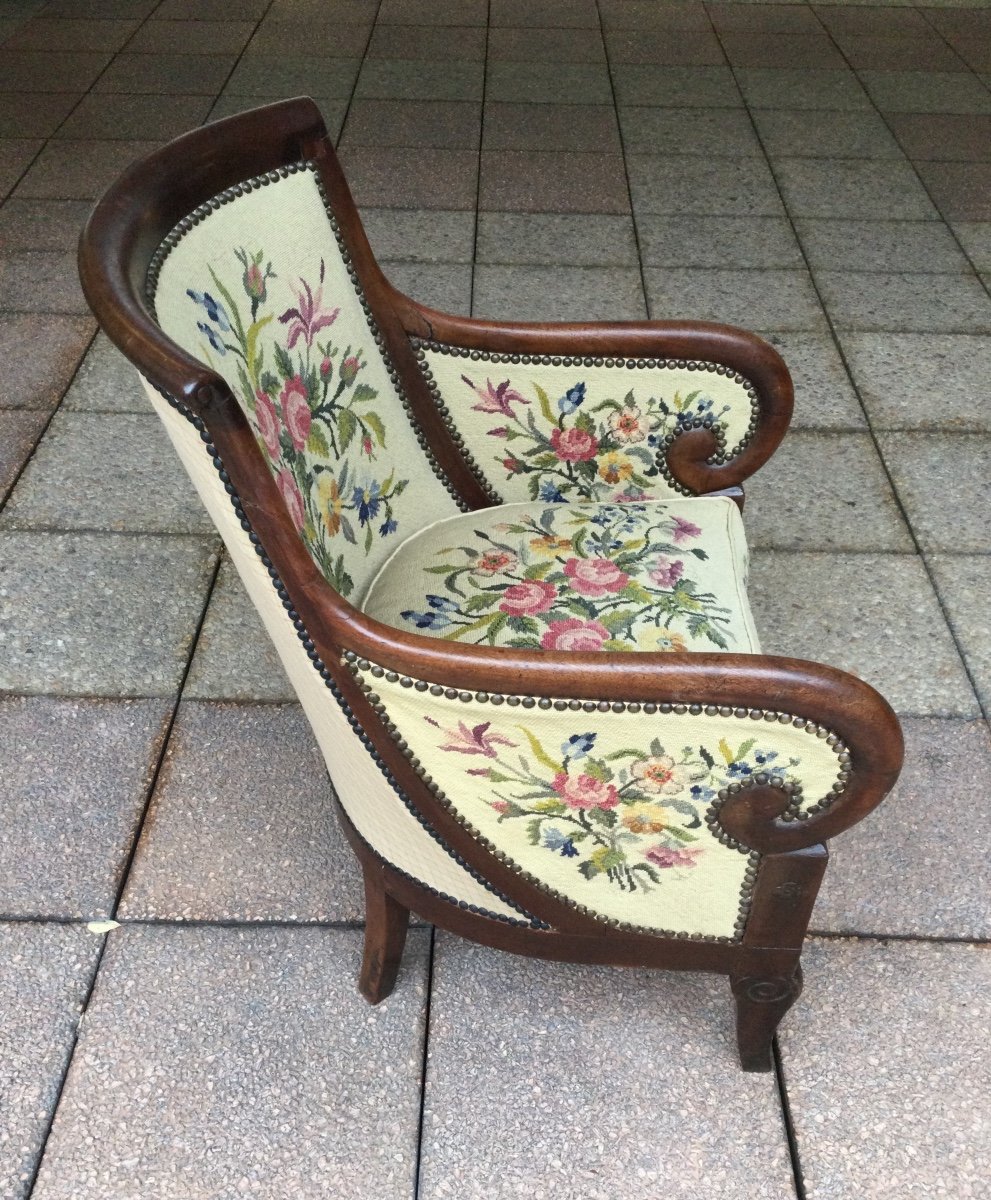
x=428, y=1003
x=791, y=1135
x=478, y=167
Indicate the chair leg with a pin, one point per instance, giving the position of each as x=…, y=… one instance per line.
x=386, y=922
x=760, y=1005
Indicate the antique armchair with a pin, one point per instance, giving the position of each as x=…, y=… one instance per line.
x=505, y=569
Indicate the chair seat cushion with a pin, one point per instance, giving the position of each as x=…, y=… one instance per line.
x=662, y=575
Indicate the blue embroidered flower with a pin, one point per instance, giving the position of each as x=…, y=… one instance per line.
x=578, y=745
x=389, y=526
x=739, y=768
x=211, y=336
x=554, y=839
x=571, y=399
x=367, y=502
x=430, y=620
x=442, y=604
x=214, y=309
x=550, y=492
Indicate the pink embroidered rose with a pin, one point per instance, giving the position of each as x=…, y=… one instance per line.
x=683, y=530
x=574, y=634
x=574, y=445
x=584, y=791
x=529, y=597
x=268, y=423
x=292, y=496
x=494, y=561
x=667, y=572
x=595, y=577
x=296, y=411
x=664, y=856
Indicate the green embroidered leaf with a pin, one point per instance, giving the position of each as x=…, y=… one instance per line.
x=348, y=530
x=589, y=869
x=620, y=618
x=347, y=426
x=252, y=353
x=539, y=752
x=368, y=538
x=316, y=443
x=699, y=553
x=606, y=858
x=538, y=570
x=550, y=807
x=706, y=757
x=512, y=810
x=533, y=831
x=543, y=461
x=605, y=817
x=745, y=749
x=362, y=393
x=339, y=578
x=444, y=570
x=597, y=769
x=617, y=644
x=374, y=423
x=284, y=362
x=477, y=603
x=585, y=423
x=681, y=834
x=523, y=625
x=545, y=404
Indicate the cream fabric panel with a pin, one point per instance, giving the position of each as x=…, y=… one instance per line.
x=376, y=811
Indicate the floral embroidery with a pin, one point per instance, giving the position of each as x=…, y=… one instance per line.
x=619, y=582
x=633, y=816
x=309, y=407
x=577, y=448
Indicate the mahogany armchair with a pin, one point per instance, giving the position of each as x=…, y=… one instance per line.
x=505, y=569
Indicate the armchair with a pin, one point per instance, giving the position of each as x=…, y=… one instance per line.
x=505, y=568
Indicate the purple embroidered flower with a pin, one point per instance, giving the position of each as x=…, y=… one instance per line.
x=683, y=530
x=665, y=856
x=498, y=399
x=309, y=316
x=474, y=739
x=667, y=572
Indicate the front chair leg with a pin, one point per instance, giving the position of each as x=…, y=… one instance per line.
x=760, y=1005
x=386, y=922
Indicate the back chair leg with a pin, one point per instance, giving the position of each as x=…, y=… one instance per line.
x=386, y=922
x=760, y=1005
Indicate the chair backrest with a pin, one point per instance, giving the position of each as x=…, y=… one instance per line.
x=256, y=284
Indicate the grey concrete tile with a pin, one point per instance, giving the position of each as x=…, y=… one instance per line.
x=235, y=658
x=761, y=48
x=553, y=1068
x=430, y=236
x=824, y=397
x=447, y=124
x=906, y=303
x=890, y=875
x=943, y=136
x=665, y=47
x=208, y=850
x=45, y=974
x=218, y=10
x=40, y=354
x=964, y=583
x=769, y=299
x=75, y=779
x=558, y=293
x=99, y=614
x=853, y=189
x=446, y=286
x=533, y=83
x=975, y=237
x=104, y=116
x=20, y=432
x=258, y=75
x=15, y=157
x=79, y=170
x=35, y=114
x=726, y=132
x=390, y=177
x=166, y=74
x=960, y=190
x=433, y=12
x=545, y=13
x=51, y=225
x=510, y=126
x=728, y=187
x=648, y=14
x=770, y=18
x=927, y=91
x=394, y=79
x=529, y=43
x=881, y=53
x=926, y=246
x=942, y=480
x=528, y=181
x=332, y=109
x=39, y=281
x=109, y=472
x=278, y=37
x=428, y=42
x=191, y=37
x=240, y=1061
x=875, y=615
x=921, y=380
x=106, y=382
x=824, y=491
x=676, y=87
x=873, y=18
x=825, y=134
x=60, y=33
x=700, y=241
x=563, y=239
x=897, y=1105
x=765, y=87
x=50, y=71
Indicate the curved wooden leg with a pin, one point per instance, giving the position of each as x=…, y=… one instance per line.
x=386, y=922
x=760, y=1005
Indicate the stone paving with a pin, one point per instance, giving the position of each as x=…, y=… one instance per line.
x=818, y=172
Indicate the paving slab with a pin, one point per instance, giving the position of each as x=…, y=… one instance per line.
x=964, y=584
x=564, y=1068
x=510, y=126
x=852, y=188
x=40, y=281
x=20, y=432
x=875, y=615
x=106, y=382
x=15, y=157
x=525, y=293
x=105, y=471
x=529, y=42
x=915, y=867
x=79, y=170
x=427, y=236
x=927, y=91
x=191, y=37
x=942, y=480
x=841, y=245
x=403, y=177
x=943, y=136
x=665, y=47
x=75, y=776
x=824, y=491
x=778, y=299
x=45, y=974
x=727, y=187
x=535, y=83
x=446, y=286
x=168, y=74
x=259, y=75
x=332, y=109
x=242, y=826
x=960, y=189
x=706, y=131
x=676, y=87
x=100, y=614
x=702, y=241
x=887, y=1071
x=562, y=181
x=396, y=79
x=768, y=87
x=975, y=238
x=435, y=124
x=832, y=134
x=35, y=114
x=52, y=225
x=229, y=1062
x=104, y=116
x=906, y=303
x=824, y=397
x=555, y=238
x=921, y=380
x=50, y=71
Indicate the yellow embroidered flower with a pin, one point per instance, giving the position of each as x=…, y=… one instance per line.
x=549, y=545
x=644, y=818
x=664, y=640
x=330, y=502
x=615, y=467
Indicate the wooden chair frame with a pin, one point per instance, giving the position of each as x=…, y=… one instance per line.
x=117, y=247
